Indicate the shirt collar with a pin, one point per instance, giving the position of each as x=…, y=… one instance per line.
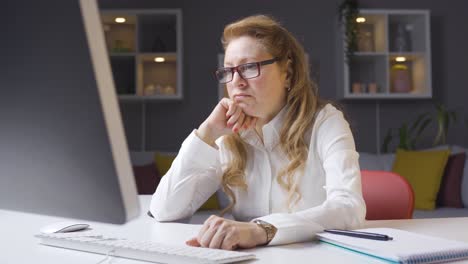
x=271, y=132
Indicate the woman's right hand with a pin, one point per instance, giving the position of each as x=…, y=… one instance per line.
x=226, y=118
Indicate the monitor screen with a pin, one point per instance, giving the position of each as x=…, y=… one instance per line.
x=63, y=150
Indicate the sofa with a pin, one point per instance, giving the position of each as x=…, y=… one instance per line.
x=150, y=166
x=386, y=162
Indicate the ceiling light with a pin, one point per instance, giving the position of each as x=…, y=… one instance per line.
x=400, y=59
x=361, y=19
x=120, y=19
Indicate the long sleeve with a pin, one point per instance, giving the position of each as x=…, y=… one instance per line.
x=344, y=206
x=194, y=176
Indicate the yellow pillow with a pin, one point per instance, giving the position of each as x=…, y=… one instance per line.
x=424, y=171
x=164, y=162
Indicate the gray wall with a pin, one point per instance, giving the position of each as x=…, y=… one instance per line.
x=314, y=24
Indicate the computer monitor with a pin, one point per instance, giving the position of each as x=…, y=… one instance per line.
x=63, y=150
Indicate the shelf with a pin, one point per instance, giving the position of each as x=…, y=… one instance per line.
x=371, y=36
x=414, y=68
x=158, y=33
x=122, y=54
x=138, y=98
x=123, y=70
x=409, y=29
x=368, y=53
x=368, y=74
x=133, y=45
x=120, y=37
x=387, y=96
x=157, y=78
x=407, y=54
x=384, y=37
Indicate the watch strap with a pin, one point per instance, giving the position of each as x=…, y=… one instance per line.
x=270, y=229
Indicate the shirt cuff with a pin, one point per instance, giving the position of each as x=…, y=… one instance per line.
x=291, y=228
x=193, y=146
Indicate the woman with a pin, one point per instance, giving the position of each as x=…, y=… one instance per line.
x=287, y=162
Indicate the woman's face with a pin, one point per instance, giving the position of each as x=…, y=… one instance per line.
x=263, y=96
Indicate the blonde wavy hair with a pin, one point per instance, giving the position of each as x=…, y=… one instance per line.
x=302, y=101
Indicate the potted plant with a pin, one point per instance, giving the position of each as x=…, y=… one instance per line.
x=348, y=11
x=410, y=135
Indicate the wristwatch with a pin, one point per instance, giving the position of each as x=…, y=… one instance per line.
x=270, y=229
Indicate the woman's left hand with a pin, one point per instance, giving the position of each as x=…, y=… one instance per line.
x=218, y=232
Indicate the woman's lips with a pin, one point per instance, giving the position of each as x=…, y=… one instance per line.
x=241, y=96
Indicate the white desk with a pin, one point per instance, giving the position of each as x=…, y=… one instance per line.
x=18, y=245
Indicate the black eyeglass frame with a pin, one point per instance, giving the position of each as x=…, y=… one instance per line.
x=236, y=69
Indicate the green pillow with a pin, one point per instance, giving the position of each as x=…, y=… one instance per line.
x=164, y=162
x=424, y=171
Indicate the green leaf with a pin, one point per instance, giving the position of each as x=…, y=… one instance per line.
x=421, y=118
x=444, y=119
x=423, y=126
x=404, y=141
x=440, y=131
x=387, y=140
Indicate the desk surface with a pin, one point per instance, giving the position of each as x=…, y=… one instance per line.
x=18, y=245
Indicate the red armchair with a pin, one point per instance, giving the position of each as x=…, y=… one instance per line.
x=387, y=195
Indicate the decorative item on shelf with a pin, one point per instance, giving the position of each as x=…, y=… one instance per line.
x=155, y=89
x=365, y=38
x=158, y=45
x=119, y=46
x=169, y=90
x=348, y=11
x=150, y=89
x=409, y=32
x=356, y=88
x=400, y=78
x=373, y=88
x=402, y=39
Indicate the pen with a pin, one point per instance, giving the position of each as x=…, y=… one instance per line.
x=359, y=234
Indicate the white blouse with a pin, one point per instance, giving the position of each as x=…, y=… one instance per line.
x=330, y=185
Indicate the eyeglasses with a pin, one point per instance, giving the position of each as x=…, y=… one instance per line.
x=246, y=71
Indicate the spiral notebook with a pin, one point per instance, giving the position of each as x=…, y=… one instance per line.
x=406, y=247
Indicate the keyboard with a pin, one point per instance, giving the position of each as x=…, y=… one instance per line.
x=140, y=250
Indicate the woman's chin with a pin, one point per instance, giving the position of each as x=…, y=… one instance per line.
x=245, y=106
x=248, y=108
x=249, y=111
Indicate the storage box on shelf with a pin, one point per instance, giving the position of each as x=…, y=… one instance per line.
x=145, y=48
x=392, y=58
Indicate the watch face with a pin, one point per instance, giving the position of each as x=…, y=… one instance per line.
x=269, y=229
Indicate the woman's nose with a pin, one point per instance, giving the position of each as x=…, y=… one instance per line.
x=237, y=80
